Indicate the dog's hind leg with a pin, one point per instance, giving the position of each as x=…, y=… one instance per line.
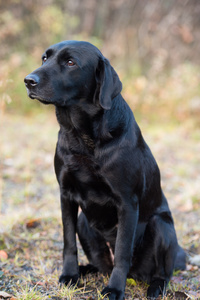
x=155, y=253
x=164, y=250
x=95, y=248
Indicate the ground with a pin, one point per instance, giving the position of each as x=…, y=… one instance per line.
x=30, y=220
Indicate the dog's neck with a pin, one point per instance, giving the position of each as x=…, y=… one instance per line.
x=77, y=119
x=91, y=123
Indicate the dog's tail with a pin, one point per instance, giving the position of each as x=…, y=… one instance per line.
x=180, y=261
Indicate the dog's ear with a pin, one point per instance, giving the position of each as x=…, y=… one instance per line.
x=108, y=85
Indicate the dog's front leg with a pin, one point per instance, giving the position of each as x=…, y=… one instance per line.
x=127, y=223
x=69, y=219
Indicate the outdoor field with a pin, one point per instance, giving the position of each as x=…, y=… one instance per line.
x=154, y=47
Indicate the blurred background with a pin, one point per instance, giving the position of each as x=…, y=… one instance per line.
x=155, y=48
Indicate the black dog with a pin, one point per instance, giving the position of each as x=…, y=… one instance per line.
x=103, y=165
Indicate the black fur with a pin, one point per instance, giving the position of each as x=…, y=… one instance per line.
x=103, y=165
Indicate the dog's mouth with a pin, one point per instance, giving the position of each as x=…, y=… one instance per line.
x=38, y=97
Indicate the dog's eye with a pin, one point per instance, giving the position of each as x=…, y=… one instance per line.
x=44, y=59
x=70, y=63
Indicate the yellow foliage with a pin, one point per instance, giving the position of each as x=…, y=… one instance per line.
x=131, y=281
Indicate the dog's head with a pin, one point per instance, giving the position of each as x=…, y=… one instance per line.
x=73, y=71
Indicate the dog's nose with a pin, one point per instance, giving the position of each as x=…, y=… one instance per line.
x=31, y=80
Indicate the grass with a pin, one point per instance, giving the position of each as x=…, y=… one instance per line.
x=30, y=219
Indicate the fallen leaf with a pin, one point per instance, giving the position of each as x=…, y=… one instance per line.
x=181, y=296
x=131, y=281
x=4, y=295
x=33, y=223
x=3, y=255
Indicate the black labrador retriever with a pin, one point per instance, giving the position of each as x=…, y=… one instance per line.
x=103, y=165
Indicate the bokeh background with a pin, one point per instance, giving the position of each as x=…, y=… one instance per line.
x=155, y=48
x=154, y=45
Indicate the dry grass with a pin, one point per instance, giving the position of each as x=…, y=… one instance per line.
x=30, y=222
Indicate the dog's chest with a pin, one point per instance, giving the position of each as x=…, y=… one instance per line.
x=82, y=179
x=81, y=174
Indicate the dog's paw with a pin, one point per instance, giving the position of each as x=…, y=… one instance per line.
x=153, y=293
x=112, y=293
x=67, y=279
x=156, y=288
